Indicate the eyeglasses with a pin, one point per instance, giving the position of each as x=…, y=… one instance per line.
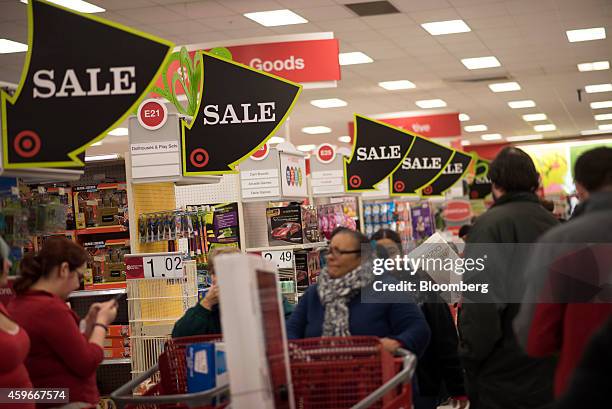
x=336, y=252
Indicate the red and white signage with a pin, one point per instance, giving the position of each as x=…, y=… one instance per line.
x=163, y=265
x=326, y=153
x=299, y=61
x=261, y=153
x=457, y=211
x=430, y=126
x=152, y=114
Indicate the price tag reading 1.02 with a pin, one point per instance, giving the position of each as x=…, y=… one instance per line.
x=282, y=259
x=163, y=266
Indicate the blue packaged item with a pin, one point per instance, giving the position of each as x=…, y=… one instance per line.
x=201, y=372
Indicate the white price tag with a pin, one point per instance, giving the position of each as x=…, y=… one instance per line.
x=163, y=266
x=280, y=258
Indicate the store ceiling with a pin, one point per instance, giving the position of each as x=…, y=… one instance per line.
x=527, y=36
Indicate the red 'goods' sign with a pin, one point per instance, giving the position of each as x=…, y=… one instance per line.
x=457, y=210
x=152, y=114
x=298, y=61
x=432, y=126
x=326, y=153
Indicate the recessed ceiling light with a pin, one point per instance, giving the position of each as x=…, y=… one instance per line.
x=490, y=137
x=591, y=89
x=603, y=117
x=275, y=140
x=475, y=128
x=119, y=132
x=505, y=86
x=395, y=85
x=464, y=117
x=329, y=103
x=545, y=128
x=601, y=104
x=480, y=62
x=534, y=117
x=465, y=142
x=586, y=34
x=605, y=127
x=76, y=5
x=101, y=157
x=594, y=66
x=275, y=18
x=526, y=103
x=436, y=28
x=521, y=138
x=345, y=139
x=355, y=57
x=97, y=143
x=315, y=130
x=10, y=46
x=592, y=132
x=430, y=103
x=306, y=148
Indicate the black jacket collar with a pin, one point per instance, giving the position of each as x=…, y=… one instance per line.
x=599, y=201
x=516, y=197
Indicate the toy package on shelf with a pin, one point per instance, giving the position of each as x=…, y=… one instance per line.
x=393, y=215
x=107, y=263
x=307, y=268
x=100, y=205
x=117, y=342
x=295, y=223
x=61, y=195
x=334, y=215
x=423, y=224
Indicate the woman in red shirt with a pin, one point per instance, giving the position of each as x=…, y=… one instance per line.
x=61, y=356
x=14, y=342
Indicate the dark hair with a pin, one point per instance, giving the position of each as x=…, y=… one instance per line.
x=514, y=171
x=593, y=169
x=387, y=234
x=465, y=230
x=55, y=251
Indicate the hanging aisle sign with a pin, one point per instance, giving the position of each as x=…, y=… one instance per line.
x=83, y=76
x=452, y=173
x=423, y=165
x=481, y=185
x=239, y=110
x=378, y=150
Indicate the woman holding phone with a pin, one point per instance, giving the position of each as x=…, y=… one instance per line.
x=61, y=356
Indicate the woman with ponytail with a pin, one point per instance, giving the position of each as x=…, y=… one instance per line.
x=14, y=341
x=61, y=356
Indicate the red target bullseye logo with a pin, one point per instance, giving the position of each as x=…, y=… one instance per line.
x=474, y=194
x=199, y=158
x=355, y=181
x=27, y=144
x=428, y=190
x=399, y=186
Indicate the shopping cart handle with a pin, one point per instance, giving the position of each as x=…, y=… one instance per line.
x=403, y=376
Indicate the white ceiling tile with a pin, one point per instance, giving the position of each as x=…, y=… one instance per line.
x=111, y=5
x=477, y=24
x=325, y=13
x=305, y=3
x=427, y=16
x=347, y=24
x=418, y=5
x=250, y=6
x=234, y=22
x=249, y=32
x=150, y=15
x=362, y=35
x=388, y=20
x=297, y=29
x=482, y=10
x=201, y=9
x=184, y=27
x=12, y=10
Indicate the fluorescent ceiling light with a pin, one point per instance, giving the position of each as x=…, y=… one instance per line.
x=534, y=117
x=275, y=139
x=591, y=89
x=465, y=142
x=490, y=137
x=101, y=157
x=592, y=132
x=505, y=86
x=356, y=57
x=275, y=18
x=329, y=103
x=76, y=5
x=436, y=28
x=586, y=34
x=345, y=139
x=603, y=117
x=545, y=128
x=605, y=127
x=521, y=138
x=526, y=103
x=315, y=130
x=594, y=66
x=480, y=62
x=430, y=103
x=464, y=117
x=10, y=46
x=395, y=85
x=119, y=132
x=601, y=104
x=97, y=143
x=475, y=128
x=306, y=148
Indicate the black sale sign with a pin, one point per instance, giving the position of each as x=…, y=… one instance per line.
x=481, y=185
x=239, y=110
x=83, y=76
x=452, y=173
x=423, y=165
x=378, y=150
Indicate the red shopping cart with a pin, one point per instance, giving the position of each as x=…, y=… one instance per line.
x=327, y=373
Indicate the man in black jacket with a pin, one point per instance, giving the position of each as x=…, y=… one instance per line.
x=499, y=374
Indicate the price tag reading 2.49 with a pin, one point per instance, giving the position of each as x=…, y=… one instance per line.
x=282, y=259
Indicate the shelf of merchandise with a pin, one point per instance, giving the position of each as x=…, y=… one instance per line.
x=306, y=246
x=103, y=229
x=93, y=293
x=117, y=361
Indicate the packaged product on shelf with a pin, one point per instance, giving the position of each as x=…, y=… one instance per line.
x=314, y=266
x=118, y=331
x=116, y=342
x=107, y=261
x=224, y=227
x=116, y=353
x=206, y=366
x=422, y=221
x=301, y=269
x=295, y=224
x=100, y=205
x=332, y=216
